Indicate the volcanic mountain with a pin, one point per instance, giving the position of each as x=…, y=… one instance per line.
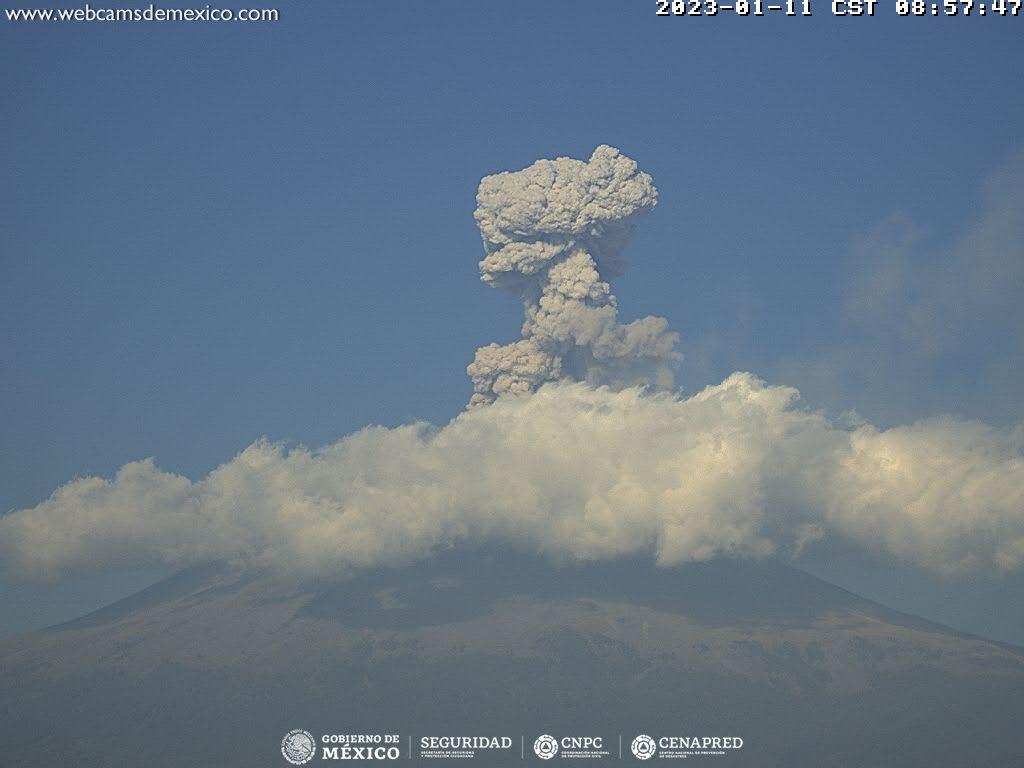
x=212, y=666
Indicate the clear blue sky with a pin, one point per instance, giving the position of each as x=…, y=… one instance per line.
x=217, y=232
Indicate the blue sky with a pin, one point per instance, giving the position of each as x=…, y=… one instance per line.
x=218, y=232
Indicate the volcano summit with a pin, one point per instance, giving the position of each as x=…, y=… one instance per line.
x=213, y=665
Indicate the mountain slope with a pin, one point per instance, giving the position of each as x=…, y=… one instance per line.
x=212, y=666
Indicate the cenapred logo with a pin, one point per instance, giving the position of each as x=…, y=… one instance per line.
x=298, y=746
x=643, y=747
x=545, y=747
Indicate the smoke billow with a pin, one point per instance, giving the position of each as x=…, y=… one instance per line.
x=551, y=232
x=596, y=468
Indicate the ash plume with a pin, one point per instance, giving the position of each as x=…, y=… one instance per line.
x=586, y=463
x=553, y=233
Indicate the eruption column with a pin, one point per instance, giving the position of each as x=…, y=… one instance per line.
x=552, y=233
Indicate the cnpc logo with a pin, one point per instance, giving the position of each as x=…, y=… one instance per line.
x=547, y=746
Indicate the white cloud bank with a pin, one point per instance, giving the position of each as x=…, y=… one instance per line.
x=572, y=471
x=591, y=469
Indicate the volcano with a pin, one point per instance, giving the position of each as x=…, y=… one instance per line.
x=214, y=665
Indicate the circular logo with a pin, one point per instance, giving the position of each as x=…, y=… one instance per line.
x=644, y=747
x=546, y=747
x=298, y=746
